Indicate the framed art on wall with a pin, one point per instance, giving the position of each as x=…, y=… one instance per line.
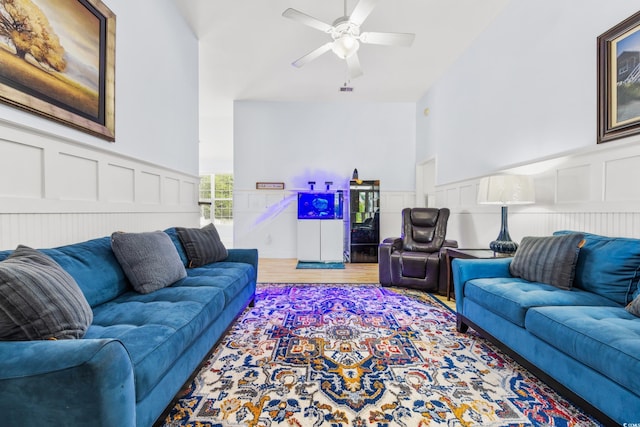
x=619, y=80
x=57, y=59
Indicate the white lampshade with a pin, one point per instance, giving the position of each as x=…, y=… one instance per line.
x=506, y=190
x=345, y=46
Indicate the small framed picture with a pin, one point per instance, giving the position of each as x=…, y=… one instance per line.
x=269, y=185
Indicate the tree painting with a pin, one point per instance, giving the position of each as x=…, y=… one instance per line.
x=50, y=49
x=29, y=31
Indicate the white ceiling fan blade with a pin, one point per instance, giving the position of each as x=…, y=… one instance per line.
x=353, y=65
x=387, y=39
x=305, y=19
x=362, y=10
x=312, y=55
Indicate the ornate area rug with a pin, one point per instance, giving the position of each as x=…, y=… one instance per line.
x=361, y=355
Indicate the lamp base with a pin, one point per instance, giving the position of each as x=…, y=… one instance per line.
x=503, y=244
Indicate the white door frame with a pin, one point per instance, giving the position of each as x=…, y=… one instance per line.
x=426, y=183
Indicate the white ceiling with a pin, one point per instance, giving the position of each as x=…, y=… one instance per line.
x=246, y=49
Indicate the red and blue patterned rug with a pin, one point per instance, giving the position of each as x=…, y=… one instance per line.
x=362, y=355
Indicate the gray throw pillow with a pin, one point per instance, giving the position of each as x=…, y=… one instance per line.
x=39, y=300
x=202, y=245
x=149, y=260
x=634, y=306
x=551, y=260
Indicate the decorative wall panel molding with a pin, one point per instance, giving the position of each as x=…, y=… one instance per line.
x=593, y=190
x=24, y=168
x=55, y=191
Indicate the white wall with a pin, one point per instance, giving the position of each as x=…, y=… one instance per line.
x=526, y=89
x=299, y=142
x=524, y=94
x=60, y=185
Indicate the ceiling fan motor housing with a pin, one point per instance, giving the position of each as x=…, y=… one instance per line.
x=345, y=35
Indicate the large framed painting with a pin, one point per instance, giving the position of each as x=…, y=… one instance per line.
x=619, y=80
x=57, y=60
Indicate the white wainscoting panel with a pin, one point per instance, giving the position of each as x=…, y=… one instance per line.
x=189, y=191
x=81, y=181
x=24, y=164
x=55, y=191
x=574, y=184
x=171, y=191
x=148, y=190
x=121, y=187
x=622, y=179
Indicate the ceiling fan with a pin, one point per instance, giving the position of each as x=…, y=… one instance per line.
x=346, y=35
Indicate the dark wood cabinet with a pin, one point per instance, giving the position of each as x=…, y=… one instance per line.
x=364, y=220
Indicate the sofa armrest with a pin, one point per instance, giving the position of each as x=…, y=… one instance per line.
x=467, y=269
x=385, y=249
x=73, y=382
x=248, y=256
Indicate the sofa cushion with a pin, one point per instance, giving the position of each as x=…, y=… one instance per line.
x=549, y=259
x=605, y=338
x=608, y=266
x=202, y=245
x=150, y=260
x=230, y=277
x=94, y=267
x=39, y=300
x=510, y=298
x=156, y=328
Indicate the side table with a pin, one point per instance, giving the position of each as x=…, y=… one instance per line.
x=452, y=253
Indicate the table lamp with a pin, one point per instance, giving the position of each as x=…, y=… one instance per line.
x=505, y=190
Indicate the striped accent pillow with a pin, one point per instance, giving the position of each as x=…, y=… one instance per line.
x=39, y=300
x=202, y=245
x=551, y=260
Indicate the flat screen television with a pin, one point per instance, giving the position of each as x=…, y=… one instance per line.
x=320, y=205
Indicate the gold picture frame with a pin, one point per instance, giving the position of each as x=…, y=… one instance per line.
x=57, y=59
x=619, y=80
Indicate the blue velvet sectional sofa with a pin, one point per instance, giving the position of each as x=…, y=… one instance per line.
x=582, y=341
x=138, y=351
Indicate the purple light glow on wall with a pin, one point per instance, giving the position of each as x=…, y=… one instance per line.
x=300, y=183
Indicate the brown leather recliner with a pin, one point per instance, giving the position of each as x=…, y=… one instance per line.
x=413, y=260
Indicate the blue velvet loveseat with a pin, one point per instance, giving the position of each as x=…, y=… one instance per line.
x=139, y=349
x=581, y=340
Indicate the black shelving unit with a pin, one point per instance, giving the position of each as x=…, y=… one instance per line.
x=364, y=220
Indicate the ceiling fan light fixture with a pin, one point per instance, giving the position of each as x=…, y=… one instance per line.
x=346, y=35
x=345, y=46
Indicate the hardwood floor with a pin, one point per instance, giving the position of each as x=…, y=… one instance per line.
x=281, y=270
x=277, y=270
